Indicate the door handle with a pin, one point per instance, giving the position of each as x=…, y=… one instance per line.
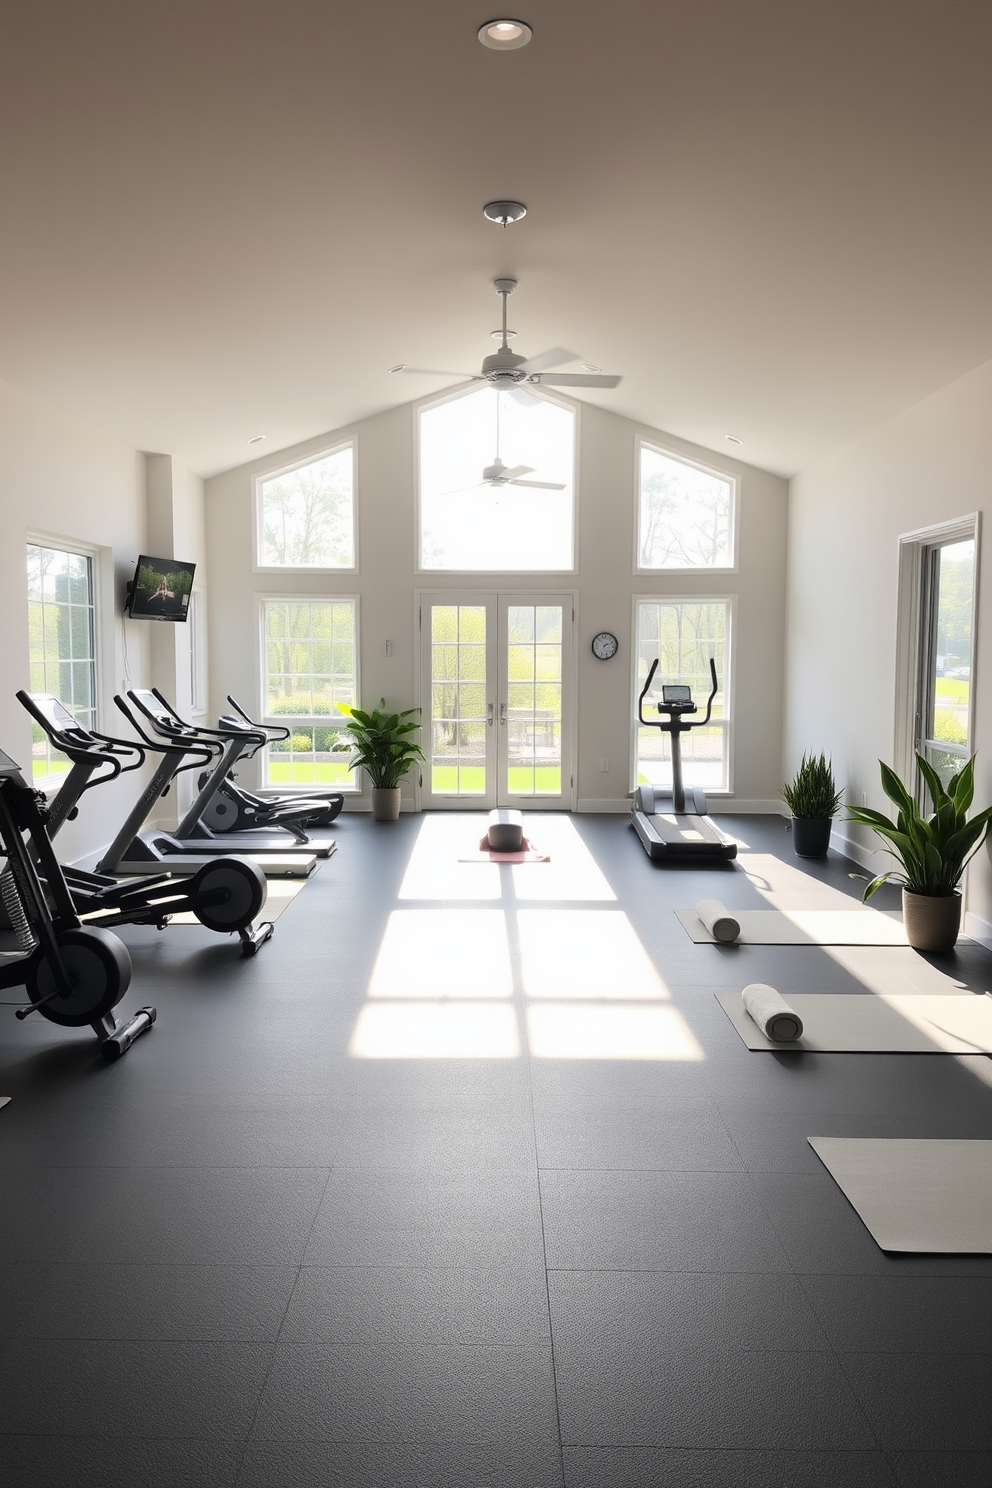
x=489, y=714
x=502, y=713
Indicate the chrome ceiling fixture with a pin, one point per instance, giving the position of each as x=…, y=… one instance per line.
x=504, y=212
x=505, y=35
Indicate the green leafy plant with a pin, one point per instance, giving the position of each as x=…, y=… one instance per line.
x=812, y=793
x=932, y=852
x=381, y=742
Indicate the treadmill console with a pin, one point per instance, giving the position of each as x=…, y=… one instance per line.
x=676, y=698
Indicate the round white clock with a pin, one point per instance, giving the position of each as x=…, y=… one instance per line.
x=605, y=645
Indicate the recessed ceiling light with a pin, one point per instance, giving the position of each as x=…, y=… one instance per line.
x=400, y=367
x=256, y=438
x=505, y=35
x=733, y=438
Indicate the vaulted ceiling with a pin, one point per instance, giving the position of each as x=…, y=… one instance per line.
x=224, y=218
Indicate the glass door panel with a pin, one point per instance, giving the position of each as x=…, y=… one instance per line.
x=531, y=763
x=949, y=578
x=458, y=641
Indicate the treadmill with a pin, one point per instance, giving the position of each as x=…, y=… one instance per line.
x=135, y=852
x=673, y=825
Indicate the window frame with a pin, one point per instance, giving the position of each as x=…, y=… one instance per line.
x=642, y=441
x=273, y=473
x=441, y=575
x=102, y=597
x=726, y=723
x=305, y=788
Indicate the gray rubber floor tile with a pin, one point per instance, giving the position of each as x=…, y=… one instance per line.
x=661, y=1467
x=762, y=1400
x=418, y=1305
x=918, y=1402
x=414, y=1141
x=169, y=1216
x=406, y=1465
x=116, y=1462
x=593, y=1087
x=207, y=1303
x=904, y=1314
x=661, y=1311
x=386, y=1393
x=942, y=1469
x=127, y=1389
x=656, y=1222
x=664, y=1141
x=441, y=1219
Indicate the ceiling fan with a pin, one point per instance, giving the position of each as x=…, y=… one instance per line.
x=505, y=369
x=497, y=474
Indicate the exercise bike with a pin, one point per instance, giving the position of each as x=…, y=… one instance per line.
x=74, y=974
x=226, y=895
x=672, y=824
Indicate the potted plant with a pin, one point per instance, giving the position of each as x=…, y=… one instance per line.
x=932, y=852
x=383, y=747
x=813, y=798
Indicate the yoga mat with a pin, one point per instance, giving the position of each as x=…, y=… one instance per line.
x=527, y=853
x=821, y=927
x=892, y=1023
x=4, y=1100
x=915, y=1194
x=281, y=893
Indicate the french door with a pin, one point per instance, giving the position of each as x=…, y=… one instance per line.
x=496, y=691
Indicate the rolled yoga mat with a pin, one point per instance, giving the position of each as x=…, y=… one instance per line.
x=773, y=1015
x=718, y=920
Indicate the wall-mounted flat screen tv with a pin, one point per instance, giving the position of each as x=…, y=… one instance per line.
x=160, y=589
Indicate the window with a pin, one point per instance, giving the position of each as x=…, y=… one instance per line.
x=196, y=634
x=685, y=514
x=306, y=514
x=475, y=515
x=683, y=634
x=947, y=654
x=310, y=665
x=62, y=650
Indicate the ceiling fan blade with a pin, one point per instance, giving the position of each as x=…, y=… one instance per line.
x=540, y=485
x=517, y=470
x=523, y=397
x=576, y=379
x=553, y=358
x=437, y=372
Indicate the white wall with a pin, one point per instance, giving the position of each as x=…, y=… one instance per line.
x=66, y=482
x=929, y=465
x=605, y=583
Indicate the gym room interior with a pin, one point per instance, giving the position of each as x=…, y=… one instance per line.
x=467, y=1177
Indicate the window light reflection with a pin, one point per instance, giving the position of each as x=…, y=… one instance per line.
x=439, y=1030
x=437, y=953
x=577, y=954
x=572, y=872
x=587, y=1031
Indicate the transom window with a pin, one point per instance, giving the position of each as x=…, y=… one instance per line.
x=62, y=643
x=310, y=665
x=685, y=514
x=306, y=514
x=497, y=483
x=683, y=635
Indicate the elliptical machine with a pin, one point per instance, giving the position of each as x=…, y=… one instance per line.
x=74, y=974
x=670, y=823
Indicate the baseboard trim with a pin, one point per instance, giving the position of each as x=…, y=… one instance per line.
x=977, y=927
x=865, y=857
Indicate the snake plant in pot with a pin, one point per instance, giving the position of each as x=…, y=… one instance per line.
x=384, y=749
x=813, y=798
x=932, y=851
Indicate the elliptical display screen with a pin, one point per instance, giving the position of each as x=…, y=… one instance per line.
x=677, y=695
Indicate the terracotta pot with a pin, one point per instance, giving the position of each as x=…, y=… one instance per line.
x=385, y=802
x=932, y=924
x=811, y=835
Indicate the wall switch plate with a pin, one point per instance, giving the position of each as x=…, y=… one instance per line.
x=604, y=764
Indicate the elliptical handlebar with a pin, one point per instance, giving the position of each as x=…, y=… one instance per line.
x=644, y=692
x=682, y=724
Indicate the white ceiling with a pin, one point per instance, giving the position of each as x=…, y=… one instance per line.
x=229, y=217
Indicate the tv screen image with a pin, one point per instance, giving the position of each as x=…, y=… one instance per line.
x=161, y=589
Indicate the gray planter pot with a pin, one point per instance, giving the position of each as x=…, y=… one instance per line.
x=932, y=924
x=385, y=802
x=811, y=835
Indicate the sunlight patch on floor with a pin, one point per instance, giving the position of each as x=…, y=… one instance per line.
x=785, y=887
x=439, y=953
x=570, y=953
x=434, y=872
x=589, y=1031
x=439, y=1030
x=572, y=873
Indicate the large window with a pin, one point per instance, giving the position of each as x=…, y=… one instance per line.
x=306, y=514
x=685, y=514
x=496, y=484
x=310, y=663
x=62, y=643
x=683, y=634
x=946, y=654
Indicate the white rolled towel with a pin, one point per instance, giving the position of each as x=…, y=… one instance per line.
x=718, y=920
x=773, y=1015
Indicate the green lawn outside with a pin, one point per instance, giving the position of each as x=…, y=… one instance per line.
x=950, y=688
x=444, y=780
x=309, y=772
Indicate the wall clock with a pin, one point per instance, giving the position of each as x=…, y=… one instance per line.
x=605, y=645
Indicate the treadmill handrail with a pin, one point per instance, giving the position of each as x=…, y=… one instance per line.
x=204, y=751
x=191, y=730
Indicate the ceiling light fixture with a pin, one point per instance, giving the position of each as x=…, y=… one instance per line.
x=505, y=35
x=400, y=367
x=256, y=439
x=733, y=438
x=504, y=212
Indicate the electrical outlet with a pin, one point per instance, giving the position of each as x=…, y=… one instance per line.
x=388, y=648
x=604, y=764
x=864, y=798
